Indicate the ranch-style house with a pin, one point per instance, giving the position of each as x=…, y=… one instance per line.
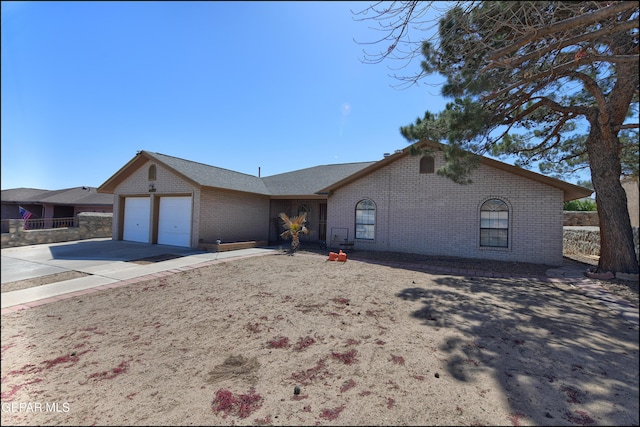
x=397, y=203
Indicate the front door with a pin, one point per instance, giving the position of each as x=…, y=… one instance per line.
x=322, y=223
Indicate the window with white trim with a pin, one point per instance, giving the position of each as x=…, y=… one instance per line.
x=365, y=219
x=494, y=224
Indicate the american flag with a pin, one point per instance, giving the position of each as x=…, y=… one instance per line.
x=25, y=215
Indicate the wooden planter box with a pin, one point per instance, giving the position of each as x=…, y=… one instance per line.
x=232, y=246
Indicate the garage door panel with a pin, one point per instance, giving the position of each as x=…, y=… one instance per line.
x=136, y=219
x=174, y=221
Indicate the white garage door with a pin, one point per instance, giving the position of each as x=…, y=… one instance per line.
x=136, y=219
x=174, y=221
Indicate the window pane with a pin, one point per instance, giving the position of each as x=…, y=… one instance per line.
x=364, y=232
x=494, y=237
x=365, y=217
x=365, y=204
x=494, y=205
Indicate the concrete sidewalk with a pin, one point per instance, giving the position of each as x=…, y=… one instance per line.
x=106, y=262
x=574, y=275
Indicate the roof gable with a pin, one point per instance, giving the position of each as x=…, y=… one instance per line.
x=570, y=191
x=196, y=173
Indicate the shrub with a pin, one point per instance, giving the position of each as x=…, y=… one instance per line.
x=580, y=205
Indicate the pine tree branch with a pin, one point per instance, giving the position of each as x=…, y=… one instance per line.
x=566, y=25
x=516, y=61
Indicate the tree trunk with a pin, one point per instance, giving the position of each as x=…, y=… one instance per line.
x=617, y=250
x=295, y=244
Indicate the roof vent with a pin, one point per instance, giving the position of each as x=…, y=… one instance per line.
x=398, y=151
x=386, y=154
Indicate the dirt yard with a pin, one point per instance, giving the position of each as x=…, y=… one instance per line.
x=298, y=340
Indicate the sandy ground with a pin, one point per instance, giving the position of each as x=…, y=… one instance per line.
x=298, y=340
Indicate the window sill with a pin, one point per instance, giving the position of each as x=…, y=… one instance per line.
x=494, y=248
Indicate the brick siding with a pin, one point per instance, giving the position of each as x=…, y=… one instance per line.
x=430, y=214
x=232, y=216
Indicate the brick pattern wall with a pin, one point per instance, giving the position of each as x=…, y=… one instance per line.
x=233, y=216
x=430, y=214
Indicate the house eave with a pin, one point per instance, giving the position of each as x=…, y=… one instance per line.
x=570, y=191
x=299, y=197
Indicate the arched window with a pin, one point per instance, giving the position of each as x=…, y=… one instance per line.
x=494, y=224
x=426, y=164
x=152, y=173
x=365, y=219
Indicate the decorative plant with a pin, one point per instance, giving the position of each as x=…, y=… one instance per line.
x=293, y=228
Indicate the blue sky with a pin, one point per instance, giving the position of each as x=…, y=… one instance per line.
x=278, y=86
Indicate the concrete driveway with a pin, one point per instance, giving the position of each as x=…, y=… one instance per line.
x=105, y=261
x=87, y=256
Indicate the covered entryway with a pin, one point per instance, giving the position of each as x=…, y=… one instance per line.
x=174, y=221
x=137, y=214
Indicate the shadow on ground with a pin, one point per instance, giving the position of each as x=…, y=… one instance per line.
x=116, y=250
x=555, y=352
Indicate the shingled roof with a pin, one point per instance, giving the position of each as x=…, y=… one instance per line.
x=211, y=176
x=315, y=181
x=310, y=180
x=85, y=196
x=299, y=183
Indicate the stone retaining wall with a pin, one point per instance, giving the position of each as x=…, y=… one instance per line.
x=586, y=240
x=90, y=225
x=580, y=218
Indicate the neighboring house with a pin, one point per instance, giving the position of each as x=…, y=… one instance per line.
x=394, y=204
x=66, y=203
